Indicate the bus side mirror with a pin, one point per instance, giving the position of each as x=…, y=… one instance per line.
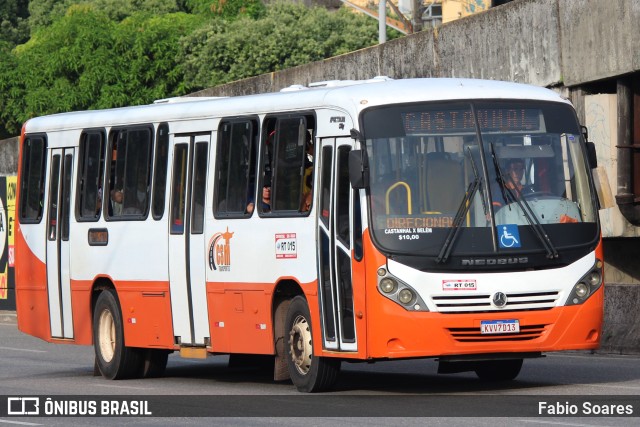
x=591, y=155
x=358, y=169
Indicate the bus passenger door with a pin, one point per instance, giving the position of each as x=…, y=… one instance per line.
x=58, y=212
x=334, y=245
x=187, y=260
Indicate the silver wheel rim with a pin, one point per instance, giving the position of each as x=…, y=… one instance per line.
x=300, y=345
x=106, y=336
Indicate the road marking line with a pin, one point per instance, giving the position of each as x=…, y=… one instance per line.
x=596, y=356
x=23, y=349
x=22, y=423
x=608, y=386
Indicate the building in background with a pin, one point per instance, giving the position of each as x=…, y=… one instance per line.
x=430, y=13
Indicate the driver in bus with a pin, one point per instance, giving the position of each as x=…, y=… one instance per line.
x=513, y=180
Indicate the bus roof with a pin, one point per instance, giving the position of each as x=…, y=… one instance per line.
x=349, y=96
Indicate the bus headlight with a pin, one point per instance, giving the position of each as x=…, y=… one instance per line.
x=587, y=285
x=594, y=278
x=405, y=296
x=582, y=290
x=399, y=292
x=388, y=285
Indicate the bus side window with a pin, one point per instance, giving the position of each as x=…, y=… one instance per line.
x=235, y=168
x=89, y=202
x=287, y=168
x=160, y=171
x=32, y=183
x=130, y=173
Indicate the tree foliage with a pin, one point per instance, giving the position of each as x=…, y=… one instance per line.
x=85, y=60
x=288, y=35
x=146, y=49
x=62, y=69
x=228, y=9
x=90, y=54
x=14, y=28
x=43, y=13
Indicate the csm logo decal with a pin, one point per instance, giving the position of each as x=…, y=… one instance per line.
x=220, y=251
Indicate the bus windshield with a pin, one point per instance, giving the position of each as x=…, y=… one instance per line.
x=507, y=176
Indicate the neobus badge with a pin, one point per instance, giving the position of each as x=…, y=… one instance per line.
x=496, y=261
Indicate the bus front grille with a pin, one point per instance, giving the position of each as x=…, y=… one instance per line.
x=483, y=302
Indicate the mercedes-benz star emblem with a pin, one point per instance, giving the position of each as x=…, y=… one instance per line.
x=499, y=299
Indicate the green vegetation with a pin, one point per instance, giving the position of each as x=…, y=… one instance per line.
x=65, y=55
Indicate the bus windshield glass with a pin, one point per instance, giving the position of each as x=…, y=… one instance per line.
x=518, y=166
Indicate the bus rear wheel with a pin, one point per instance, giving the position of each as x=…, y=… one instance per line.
x=309, y=373
x=154, y=363
x=115, y=361
x=498, y=370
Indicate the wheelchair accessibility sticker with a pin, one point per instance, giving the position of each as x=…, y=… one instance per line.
x=508, y=236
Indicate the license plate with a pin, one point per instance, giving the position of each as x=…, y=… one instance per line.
x=499, y=326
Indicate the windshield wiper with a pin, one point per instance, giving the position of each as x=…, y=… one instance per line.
x=474, y=167
x=445, y=251
x=525, y=207
x=457, y=220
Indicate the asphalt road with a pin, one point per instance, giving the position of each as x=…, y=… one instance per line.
x=388, y=393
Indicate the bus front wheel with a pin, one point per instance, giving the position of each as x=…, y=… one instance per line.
x=498, y=370
x=115, y=361
x=309, y=373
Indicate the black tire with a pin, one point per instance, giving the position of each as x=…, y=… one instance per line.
x=309, y=373
x=498, y=370
x=115, y=361
x=154, y=363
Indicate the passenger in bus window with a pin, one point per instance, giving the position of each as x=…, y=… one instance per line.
x=306, y=202
x=308, y=165
x=307, y=178
x=98, y=201
x=265, y=201
x=117, y=197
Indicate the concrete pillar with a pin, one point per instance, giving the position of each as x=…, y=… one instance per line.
x=624, y=195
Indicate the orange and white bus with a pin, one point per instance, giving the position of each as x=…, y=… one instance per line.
x=345, y=221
